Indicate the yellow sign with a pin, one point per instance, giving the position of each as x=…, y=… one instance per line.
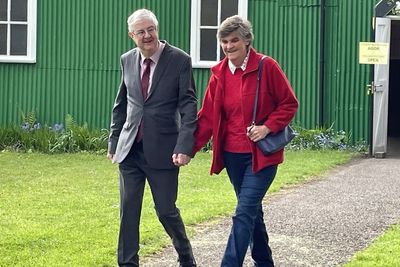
x=374, y=53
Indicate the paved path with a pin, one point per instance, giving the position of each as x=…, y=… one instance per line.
x=321, y=223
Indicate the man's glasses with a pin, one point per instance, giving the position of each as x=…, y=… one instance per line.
x=142, y=33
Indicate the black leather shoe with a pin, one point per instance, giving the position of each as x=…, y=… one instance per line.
x=187, y=261
x=187, y=264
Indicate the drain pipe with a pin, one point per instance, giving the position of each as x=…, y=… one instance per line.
x=322, y=64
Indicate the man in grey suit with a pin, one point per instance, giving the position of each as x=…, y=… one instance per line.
x=153, y=121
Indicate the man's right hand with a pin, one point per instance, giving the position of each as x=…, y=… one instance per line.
x=110, y=156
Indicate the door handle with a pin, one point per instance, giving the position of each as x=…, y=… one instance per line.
x=372, y=88
x=378, y=87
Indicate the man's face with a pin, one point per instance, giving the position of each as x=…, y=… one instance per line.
x=145, y=36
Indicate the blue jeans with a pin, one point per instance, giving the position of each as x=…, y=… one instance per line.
x=248, y=228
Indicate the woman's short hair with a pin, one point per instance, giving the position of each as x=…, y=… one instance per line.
x=141, y=14
x=236, y=23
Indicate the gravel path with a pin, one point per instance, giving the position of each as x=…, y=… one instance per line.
x=321, y=223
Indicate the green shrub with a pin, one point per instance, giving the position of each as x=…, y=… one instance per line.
x=317, y=139
x=32, y=136
x=18, y=139
x=324, y=138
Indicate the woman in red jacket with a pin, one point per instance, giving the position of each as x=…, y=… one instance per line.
x=226, y=116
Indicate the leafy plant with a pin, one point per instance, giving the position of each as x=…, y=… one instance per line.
x=318, y=139
x=28, y=119
x=32, y=136
x=324, y=138
x=70, y=123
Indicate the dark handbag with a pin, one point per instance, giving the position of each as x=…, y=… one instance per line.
x=276, y=141
x=273, y=142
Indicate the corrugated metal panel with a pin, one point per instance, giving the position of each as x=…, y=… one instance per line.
x=347, y=105
x=289, y=32
x=201, y=77
x=77, y=72
x=80, y=41
x=174, y=19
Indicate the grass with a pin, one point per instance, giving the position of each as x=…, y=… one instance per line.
x=62, y=210
x=385, y=251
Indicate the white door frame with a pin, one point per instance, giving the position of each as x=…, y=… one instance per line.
x=381, y=92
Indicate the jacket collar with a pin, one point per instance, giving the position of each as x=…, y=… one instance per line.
x=232, y=67
x=252, y=63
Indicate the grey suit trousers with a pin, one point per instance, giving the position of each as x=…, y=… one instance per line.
x=164, y=186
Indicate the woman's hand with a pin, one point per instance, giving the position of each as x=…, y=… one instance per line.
x=257, y=132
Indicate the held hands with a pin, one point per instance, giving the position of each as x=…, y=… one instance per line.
x=257, y=132
x=180, y=159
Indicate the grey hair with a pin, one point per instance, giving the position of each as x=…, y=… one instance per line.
x=141, y=14
x=233, y=24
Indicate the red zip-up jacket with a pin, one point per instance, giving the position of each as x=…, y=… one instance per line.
x=277, y=105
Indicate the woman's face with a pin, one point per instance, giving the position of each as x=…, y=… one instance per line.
x=235, y=48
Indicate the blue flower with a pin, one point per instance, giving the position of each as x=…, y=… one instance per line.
x=37, y=126
x=58, y=128
x=25, y=126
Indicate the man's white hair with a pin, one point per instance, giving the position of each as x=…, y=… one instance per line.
x=141, y=14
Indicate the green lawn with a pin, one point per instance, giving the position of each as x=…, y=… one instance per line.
x=62, y=210
x=384, y=252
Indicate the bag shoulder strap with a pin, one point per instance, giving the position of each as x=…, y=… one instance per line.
x=260, y=66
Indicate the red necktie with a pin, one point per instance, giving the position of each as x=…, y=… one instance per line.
x=145, y=87
x=146, y=77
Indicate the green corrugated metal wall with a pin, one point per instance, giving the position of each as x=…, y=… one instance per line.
x=77, y=70
x=80, y=41
x=346, y=103
x=289, y=32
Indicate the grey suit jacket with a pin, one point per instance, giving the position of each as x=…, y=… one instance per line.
x=169, y=113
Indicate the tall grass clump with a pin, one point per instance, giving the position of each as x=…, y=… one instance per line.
x=32, y=136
